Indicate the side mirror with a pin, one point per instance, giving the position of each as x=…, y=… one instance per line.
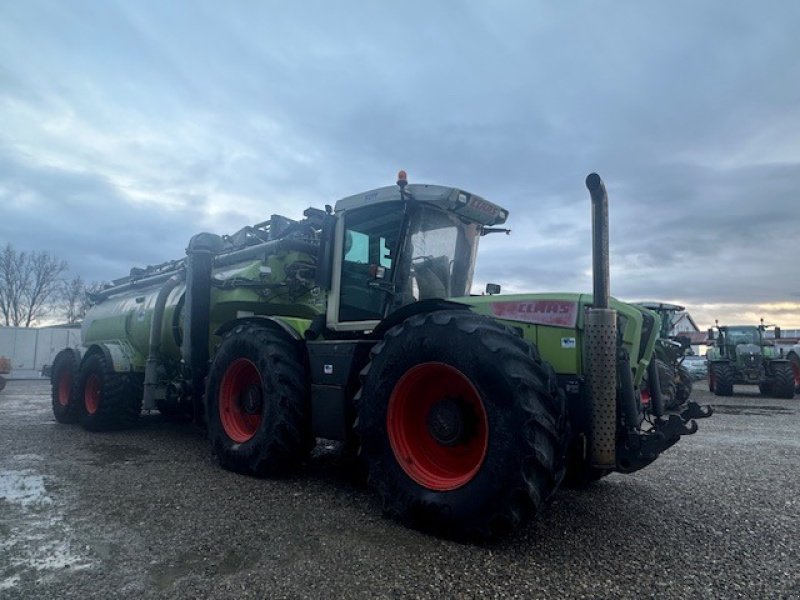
x=492, y=289
x=710, y=334
x=777, y=332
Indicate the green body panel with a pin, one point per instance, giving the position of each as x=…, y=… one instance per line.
x=122, y=322
x=561, y=344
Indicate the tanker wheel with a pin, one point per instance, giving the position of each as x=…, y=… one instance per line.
x=794, y=360
x=258, y=405
x=107, y=400
x=63, y=379
x=782, y=382
x=683, y=389
x=461, y=424
x=722, y=376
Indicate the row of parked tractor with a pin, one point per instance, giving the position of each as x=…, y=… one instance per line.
x=739, y=355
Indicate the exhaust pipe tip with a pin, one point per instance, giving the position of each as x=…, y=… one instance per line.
x=593, y=181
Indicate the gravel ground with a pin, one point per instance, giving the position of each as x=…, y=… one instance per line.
x=147, y=514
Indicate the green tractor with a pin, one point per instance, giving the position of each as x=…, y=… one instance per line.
x=356, y=324
x=676, y=382
x=741, y=354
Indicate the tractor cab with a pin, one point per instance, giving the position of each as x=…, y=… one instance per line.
x=740, y=339
x=401, y=244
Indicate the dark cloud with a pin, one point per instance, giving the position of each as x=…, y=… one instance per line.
x=130, y=126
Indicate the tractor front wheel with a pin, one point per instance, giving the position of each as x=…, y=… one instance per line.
x=782, y=383
x=258, y=403
x=721, y=379
x=461, y=425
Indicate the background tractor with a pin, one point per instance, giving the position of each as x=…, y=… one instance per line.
x=742, y=355
x=676, y=382
x=356, y=324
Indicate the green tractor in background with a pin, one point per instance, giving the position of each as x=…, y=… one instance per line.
x=742, y=355
x=356, y=324
x=676, y=382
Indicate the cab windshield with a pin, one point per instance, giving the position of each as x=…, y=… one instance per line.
x=382, y=269
x=439, y=256
x=747, y=335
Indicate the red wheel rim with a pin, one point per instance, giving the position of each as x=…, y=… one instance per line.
x=239, y=412
x=64, y=387
x=423, y=396
x=796, y=370
x=91, y=394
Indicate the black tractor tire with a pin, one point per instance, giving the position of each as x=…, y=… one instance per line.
x=63, y=382
x=454, y=371
x=666, y=380
x=782, y=382
x=722, y=378
x=258, y=402
x=107, y=400
x=794, y=361
x=683, y=389
x=765, y=388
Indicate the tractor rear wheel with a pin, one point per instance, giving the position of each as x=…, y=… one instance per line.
x=63, y=377
x=106, y=399
x=462, y=425
x=259, y=415
x=684, y=387
x=721, y=379
x=782, y=382
x=666, y=380
x=794, y=361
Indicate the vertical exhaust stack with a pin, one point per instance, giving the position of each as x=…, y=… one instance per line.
x=200, y=253
x=600, y=338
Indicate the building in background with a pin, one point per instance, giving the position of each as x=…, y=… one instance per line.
x=29, y=349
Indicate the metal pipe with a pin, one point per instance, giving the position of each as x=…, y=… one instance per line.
x=600, y=339
x=600, y=266
x=154, y=348
x=265, y=249
x=132, y=285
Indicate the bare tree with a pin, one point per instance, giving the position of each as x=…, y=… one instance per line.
x=75, y=297
x=73, y=293
x=43, y=287
x=29, y=284
x=12, y=284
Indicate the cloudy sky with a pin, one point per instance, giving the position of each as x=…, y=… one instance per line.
x=125, y=127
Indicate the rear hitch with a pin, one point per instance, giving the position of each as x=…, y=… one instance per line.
x=638, y=449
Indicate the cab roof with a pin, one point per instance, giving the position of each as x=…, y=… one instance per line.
x=470, y=206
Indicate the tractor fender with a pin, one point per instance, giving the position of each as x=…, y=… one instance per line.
x=416, y=308
x=118, y=354
x=265, y=320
